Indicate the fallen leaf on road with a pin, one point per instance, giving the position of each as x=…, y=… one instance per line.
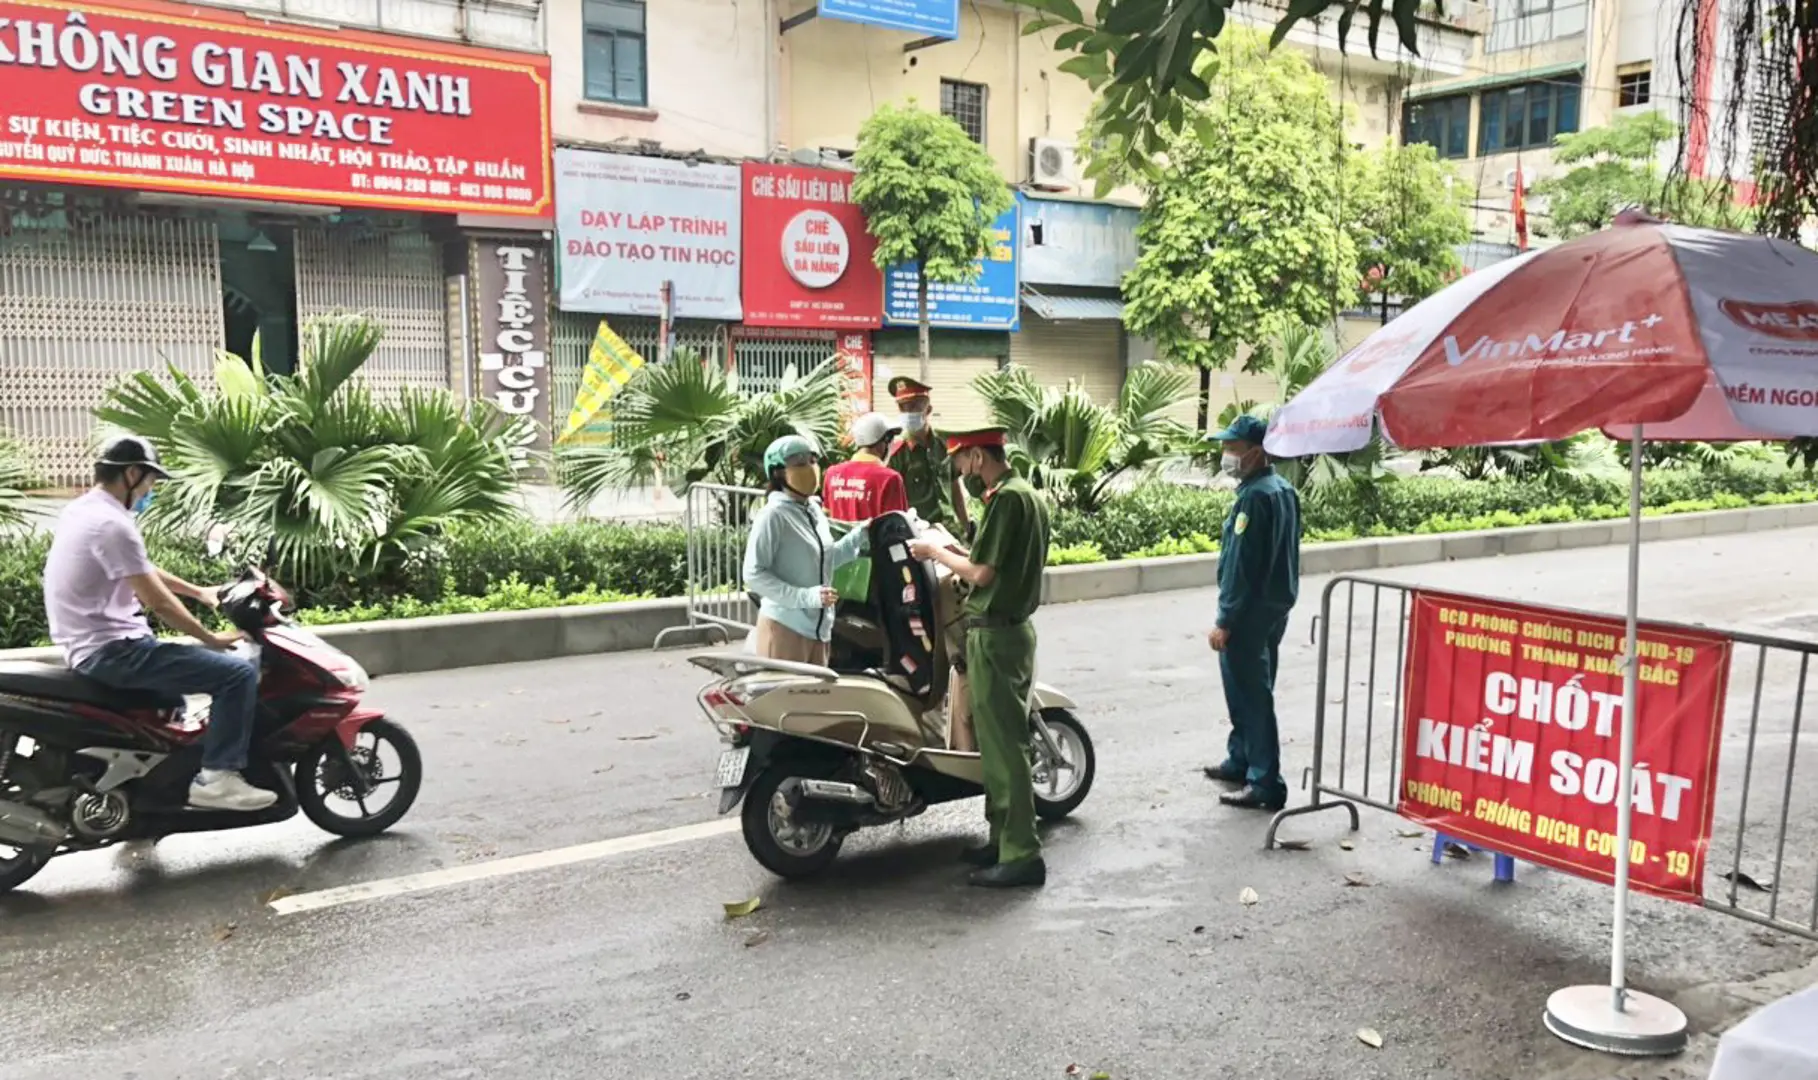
x=683, y=996
x=561, y=721
x=636, y=738
x=1248, y=897
x=1346, y=845
x=1457, y=851
x=461, y=838
x=276, y=894
x=1410, y=834
x=1743, y=879
x=754, y=940
x=1237, y=935
x=1073, y=1070
x=1294, y=845
x=603, y=769
x=741, y=908
x=1356, y=881
x=1101, y=1076
x=223, y=932
x=1370, y=1037
x=1107, y=933
x=517, y=691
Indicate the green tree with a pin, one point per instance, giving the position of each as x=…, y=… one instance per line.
x=686, y=422
x=1149, y=59
x=314, y=465
x=932, y=197
x=1407, y=211
x=1244, y=223
x=1611, y=169
x=1075, y=447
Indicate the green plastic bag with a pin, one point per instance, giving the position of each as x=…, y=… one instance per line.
x=853, y=580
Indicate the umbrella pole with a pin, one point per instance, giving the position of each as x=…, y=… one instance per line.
x=1613, y=1018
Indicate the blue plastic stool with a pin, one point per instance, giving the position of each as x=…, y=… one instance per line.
x=1505, y=864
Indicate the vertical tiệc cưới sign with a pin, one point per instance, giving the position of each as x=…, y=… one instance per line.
x=512, y=279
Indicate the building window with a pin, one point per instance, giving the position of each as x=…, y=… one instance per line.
x=1442, y=123
x=1527, y=116
x=613, y=51
x=1522, y=24
x=1634, y=88
x=964, y=103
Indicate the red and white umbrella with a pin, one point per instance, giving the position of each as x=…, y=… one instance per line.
x=1695, y=334
x=1645, y=329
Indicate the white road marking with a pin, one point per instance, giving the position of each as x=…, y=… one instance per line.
x=484, y=871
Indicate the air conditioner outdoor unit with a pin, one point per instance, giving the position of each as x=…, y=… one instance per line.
x=1050, y=164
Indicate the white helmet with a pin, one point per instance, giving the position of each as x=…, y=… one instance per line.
x=873, y=428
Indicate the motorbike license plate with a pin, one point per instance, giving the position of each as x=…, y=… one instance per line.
x=731, y=771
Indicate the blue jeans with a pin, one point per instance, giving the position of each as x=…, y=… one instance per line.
x=153, y=667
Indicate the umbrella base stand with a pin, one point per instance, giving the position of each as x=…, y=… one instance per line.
x=1586, y=1016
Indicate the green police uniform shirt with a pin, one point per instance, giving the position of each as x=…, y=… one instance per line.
x=1259, y=557
x=1013, y=541
x=927, y=480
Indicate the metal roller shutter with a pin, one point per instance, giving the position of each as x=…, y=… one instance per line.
x=395, y=276
x=1087, y=352
x=86, y=301
x=957, y=407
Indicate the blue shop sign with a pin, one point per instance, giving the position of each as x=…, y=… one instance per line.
x=991, y=302
x=1073, y=242
x=931, y=18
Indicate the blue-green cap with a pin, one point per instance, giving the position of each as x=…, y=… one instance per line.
x=1245, y=428
x=781, y=450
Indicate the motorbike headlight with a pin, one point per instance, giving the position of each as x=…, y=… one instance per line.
x=352, y=675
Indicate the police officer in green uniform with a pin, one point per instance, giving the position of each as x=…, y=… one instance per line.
x=1258, y=582
x=919, y=455
x=1004, y=569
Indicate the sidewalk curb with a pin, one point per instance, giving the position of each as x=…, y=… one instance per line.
x=440, y=642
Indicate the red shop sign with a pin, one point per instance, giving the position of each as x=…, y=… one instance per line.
x=806, y=252
x=1513, y=728
x=153, y=96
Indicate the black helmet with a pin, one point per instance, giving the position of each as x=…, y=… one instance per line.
x=131, y=450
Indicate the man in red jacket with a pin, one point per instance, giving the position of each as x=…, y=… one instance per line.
x=864, y=487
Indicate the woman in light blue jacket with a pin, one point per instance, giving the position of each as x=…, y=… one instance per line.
x=791, y=556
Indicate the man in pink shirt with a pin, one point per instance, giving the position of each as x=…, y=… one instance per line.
x=98, y=581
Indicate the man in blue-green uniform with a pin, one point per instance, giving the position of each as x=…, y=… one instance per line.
x=1004, y=569
x=1258, y=582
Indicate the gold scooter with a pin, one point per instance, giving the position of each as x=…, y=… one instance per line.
x=815, y=753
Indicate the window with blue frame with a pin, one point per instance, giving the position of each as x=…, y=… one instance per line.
x=1443, y=123
x=612, y=51
x=1527, y=116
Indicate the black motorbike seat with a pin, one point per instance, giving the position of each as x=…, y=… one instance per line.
x=28, y=678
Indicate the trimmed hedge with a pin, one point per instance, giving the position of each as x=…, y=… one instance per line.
x=526, y=565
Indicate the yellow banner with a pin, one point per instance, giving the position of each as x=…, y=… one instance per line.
x=611, y=363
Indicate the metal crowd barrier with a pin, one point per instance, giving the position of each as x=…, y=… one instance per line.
x=1762, y=864
x=716, y=521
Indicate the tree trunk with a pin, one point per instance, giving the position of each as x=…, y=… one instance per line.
x=921, y=322
x=1385, y=307
x=1205, y=399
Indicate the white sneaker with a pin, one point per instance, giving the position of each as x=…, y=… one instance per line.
x=213, y=790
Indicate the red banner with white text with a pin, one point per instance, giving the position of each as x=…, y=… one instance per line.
x=148, y=95
x=1512, y=729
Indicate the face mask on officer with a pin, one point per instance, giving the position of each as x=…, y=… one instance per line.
x=969, y=477
x=139, y=491
x=1235, y=464
x=915, y=422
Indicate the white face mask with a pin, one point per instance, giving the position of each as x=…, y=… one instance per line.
x=1231, y=464
x=914, y=421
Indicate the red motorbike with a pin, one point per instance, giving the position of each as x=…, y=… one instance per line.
x=83, y=766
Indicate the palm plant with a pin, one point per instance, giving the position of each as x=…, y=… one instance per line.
x=313, y=466
x=1584, y=456
x=1292, y=355
x=1075, y=447
x=17, y=476
x=686, y=422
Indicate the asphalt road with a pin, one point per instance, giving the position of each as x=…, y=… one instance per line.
x=1138, y=960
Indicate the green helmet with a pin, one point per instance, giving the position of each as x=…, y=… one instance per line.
x=781, y=450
